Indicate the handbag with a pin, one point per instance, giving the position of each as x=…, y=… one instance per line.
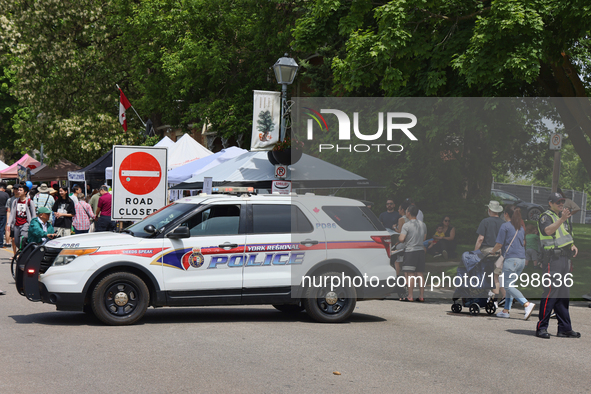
x=501, y=259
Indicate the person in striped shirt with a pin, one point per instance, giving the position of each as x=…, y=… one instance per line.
x=84, y=216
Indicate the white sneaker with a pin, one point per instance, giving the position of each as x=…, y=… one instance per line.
x=503, y=314
x=528, y=310
x=2, y=292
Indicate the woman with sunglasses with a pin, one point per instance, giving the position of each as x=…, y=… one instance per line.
x=445, y=245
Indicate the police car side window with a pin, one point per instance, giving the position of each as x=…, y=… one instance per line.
x=353, y=218
x=215, y=220
x=279, y=219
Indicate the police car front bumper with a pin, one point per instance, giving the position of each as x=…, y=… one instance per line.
x=62, y=301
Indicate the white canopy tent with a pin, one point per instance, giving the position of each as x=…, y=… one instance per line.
x=254, y=169
x=186, y=150
x=3, y=165
x=182, y=173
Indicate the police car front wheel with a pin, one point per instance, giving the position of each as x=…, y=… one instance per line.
x=328, y=304
x=120, y=298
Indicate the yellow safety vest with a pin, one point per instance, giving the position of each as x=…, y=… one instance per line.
x=559, y=239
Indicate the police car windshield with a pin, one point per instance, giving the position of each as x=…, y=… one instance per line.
x=160, y=219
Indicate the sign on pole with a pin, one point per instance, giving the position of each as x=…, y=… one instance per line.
x=139, y=181
x=281, y=187
x=280, y=171
x=266, y=118
x=76, y=176
x=555, y=141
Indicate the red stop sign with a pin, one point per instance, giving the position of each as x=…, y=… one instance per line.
x=140, y=173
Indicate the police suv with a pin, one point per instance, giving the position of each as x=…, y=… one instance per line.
x=295, y=252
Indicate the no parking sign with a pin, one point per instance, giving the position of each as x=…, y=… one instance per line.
x=139, y=181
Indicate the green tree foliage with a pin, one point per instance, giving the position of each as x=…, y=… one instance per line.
x=198, y=60
x=459, y=48
x=8, y=108
x=64, y=56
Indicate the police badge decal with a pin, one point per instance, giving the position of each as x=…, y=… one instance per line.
x=196, y=259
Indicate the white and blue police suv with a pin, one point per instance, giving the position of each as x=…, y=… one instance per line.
x=295, y=252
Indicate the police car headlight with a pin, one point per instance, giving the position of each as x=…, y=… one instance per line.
x=66, y=256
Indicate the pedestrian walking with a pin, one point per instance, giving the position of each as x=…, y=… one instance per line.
x=511, y=240
x=84, y=216
x=4, y=197
x=103, y=211
x=558, y=248
x=22, y=212
x=64, y=210
x=413, y=234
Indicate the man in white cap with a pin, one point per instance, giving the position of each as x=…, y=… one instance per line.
x=488, y=229
x=44, y=199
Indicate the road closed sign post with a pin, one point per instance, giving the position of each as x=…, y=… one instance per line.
x=139, y=181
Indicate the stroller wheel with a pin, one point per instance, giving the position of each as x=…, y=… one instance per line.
x=456, y=308
x=474, y=309
x=490, y=308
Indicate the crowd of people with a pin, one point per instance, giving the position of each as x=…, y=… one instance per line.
x=549, y=245
x=39, y=213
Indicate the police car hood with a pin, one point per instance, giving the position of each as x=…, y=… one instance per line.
x=95, y=240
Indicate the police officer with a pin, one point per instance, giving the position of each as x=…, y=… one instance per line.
x=557, y=241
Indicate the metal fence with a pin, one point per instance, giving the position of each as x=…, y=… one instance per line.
x=539, y=195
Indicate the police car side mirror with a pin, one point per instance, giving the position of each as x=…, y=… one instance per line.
x=179, y=232
x=150, y=229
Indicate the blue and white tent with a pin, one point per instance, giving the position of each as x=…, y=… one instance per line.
x=181, y=174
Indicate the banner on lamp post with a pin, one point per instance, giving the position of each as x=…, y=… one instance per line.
x=265, y=120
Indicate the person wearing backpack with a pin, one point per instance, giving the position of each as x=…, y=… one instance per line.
x=22, y=211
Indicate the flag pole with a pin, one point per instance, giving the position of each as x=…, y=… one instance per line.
x=138, y=115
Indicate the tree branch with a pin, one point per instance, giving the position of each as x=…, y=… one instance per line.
x=454, y=18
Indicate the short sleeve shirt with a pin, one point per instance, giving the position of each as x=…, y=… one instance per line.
x=505, y=237
x=489, y=228
x=104, y=204
x=415, y=231
x=389, y=219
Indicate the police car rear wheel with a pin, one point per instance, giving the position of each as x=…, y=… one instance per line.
x=330, y=305
x=289, y=308
x=120, y=298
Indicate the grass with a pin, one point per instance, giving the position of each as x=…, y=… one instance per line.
x=581, y=263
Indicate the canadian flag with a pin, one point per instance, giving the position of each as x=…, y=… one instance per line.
x=123, y=106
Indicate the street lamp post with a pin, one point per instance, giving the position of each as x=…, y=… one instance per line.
x=285, y=69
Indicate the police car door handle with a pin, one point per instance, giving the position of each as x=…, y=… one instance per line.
x=228, y=245
x=309, y=242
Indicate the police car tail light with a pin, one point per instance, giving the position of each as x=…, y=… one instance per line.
x=384, y=240
x=66, y=256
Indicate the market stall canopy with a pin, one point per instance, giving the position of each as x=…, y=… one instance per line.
x=254, y=169
x=96, y=170
x=186, y=150
x=12, y=171
x=182, y=173
x=58, y=172
x=165, y=142
x=3, y=165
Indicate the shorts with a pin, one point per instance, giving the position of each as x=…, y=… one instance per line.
x=414, y=261
x=531, y=255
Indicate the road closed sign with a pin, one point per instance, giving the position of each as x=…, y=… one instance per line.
x=139, y=181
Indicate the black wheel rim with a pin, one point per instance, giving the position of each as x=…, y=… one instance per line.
x=121, y=299
x=332, y=302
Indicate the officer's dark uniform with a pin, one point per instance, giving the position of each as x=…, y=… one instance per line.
x=557, y=252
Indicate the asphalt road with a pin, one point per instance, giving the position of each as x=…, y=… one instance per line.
x=387, y=346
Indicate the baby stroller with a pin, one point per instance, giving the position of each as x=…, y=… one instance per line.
x=474, y=291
